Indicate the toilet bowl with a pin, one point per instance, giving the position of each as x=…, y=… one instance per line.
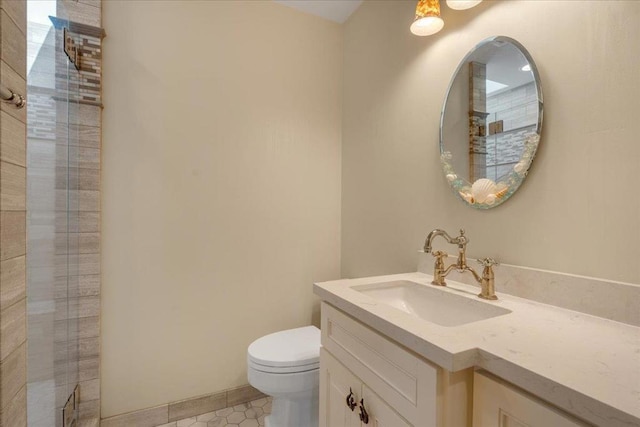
x=285, y=365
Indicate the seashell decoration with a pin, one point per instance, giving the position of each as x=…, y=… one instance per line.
x=451, y=177
x=482, y=188
x=501, y=189
x=466, y=196
x=519, y=168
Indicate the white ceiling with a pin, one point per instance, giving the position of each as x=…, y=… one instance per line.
x=333, y=10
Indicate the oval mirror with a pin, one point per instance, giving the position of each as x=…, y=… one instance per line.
x=491, y=122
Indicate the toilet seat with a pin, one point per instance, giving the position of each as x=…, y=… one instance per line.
x=294, y=350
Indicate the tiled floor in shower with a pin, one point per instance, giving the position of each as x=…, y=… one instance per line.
x=245, y=415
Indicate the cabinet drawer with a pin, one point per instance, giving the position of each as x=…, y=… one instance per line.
x=404, y=381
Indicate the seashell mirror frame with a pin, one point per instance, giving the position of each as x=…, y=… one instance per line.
x=491, y=122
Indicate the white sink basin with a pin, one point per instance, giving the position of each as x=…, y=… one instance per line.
x=430, y=303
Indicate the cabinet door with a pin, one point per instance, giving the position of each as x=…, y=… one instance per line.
x=336, y=382
x=380, y=413
x=496, y=404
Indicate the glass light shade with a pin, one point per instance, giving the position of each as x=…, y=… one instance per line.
x=427, y=21
x=462, y=4
x=427, y=26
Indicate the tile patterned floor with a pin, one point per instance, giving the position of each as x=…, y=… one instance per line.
x=245, y=415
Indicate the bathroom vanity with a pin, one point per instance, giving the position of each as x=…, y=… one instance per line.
x=397, y=351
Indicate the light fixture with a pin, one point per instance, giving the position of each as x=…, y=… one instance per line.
x=427, y=21
x=462, y=4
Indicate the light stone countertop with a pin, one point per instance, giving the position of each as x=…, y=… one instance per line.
x=586, y=365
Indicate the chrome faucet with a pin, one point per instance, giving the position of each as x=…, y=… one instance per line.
x=486, y=281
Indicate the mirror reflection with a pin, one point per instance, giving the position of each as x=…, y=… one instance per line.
x=491, y=122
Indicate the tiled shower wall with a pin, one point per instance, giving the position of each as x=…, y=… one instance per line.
x=517, y=108
x=13, y=362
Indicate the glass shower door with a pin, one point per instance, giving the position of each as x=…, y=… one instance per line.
x=52, y=218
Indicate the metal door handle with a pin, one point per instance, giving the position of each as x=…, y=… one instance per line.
x=364, y=417
x=351, y=400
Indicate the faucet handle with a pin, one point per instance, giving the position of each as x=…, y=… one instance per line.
x=439, y=254
x=461, y=240
x=487, y=262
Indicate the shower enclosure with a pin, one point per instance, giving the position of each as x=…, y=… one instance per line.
x=52, y=221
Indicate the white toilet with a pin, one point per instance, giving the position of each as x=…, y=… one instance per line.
x=285, y=366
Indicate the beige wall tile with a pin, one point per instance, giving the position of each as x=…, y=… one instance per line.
x=89, y=264
x=87, y=136
x=89, y=200
x=94, y=3
x=145, y=418
x=77, y=265
x=87, y=157
x=90, y=390
x=83, y=12
x=89, y=243
x=83, y=114
x=63, y=353
x=72, y=243
x=13, y=328
x=42, y=222
x=197, y=406
x=89, y=306
x=14, y=45
x=242, y=394
x=78, y=307
x=89, y=368
x=89, y=327
x=90, y=409
x=13, y=187
x=15, y=413
x=89, y=422
x=89, y=222
x=12, y=234
x=88, y=179
x=13, y=374
x=12, y=80
x=89, y=285
x=13, y=140
x=89, y=347
x=17, y=11
x=13, y=285
x=62, y=329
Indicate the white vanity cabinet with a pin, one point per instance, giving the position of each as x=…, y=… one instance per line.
x=341, y=387
x=396, y=387
x=498, y=404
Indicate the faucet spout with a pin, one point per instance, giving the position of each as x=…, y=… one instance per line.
x=428, y=243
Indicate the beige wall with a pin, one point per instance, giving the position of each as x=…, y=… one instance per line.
x=221, y=189
x=579, y=209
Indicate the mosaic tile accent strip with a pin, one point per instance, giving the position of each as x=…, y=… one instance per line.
x=89, y=42
x=251, y=414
